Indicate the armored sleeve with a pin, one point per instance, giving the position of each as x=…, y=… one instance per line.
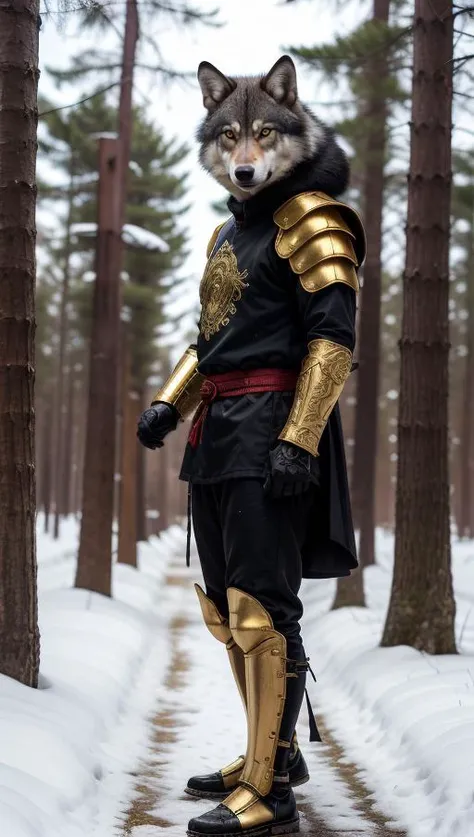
x=183, y=387
x=324, y=243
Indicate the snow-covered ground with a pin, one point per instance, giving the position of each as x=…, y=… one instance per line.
x=60, y=743
x=70, y=752
x=406, y=718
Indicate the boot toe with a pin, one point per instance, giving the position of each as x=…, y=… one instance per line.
x=212, y=783
x=218, y=821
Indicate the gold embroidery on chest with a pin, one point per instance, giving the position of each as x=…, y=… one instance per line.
x=221, y=287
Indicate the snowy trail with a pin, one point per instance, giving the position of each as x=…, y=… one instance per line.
x=198, y=724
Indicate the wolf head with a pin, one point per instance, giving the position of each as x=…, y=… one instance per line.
x=256, y=130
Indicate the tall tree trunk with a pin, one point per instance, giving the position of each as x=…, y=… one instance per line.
x=79, y=445
x=19, y=634
x=162, y=490
x=60, y=409
x=350, y=591
x=128, y=458
x=466, y=447
x=366, y=437
x=127, y=540
x=142, y=520
x=46, y=463
x=94, y=568
x=68, y=434
x=422, y=609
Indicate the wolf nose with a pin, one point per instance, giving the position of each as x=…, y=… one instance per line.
x=244, y=174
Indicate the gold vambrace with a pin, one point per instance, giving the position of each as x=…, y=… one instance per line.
x=182, y=389
x=321, y=381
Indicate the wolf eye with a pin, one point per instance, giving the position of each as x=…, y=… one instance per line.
x=265, y=132
x=229, y=134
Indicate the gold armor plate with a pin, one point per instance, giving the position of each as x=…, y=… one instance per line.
x=221, y=287
x=320, y=235
x=323, y=375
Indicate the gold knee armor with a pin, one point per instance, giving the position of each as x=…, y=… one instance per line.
x=219, y=628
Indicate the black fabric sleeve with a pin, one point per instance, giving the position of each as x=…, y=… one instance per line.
x=328, y=314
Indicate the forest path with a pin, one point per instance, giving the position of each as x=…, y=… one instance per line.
x=198, y=724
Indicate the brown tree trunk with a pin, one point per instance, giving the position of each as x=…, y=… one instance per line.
x=350, y=591
x=19, y=634
x=142, y=520
x=46, y=463
x=68, y=439
x=61, y=408
x=466, y=447
x=79, y=445
x=162, y=490
x=127, y=540
x=422, y=609
x=368, y=355
x=95, y=550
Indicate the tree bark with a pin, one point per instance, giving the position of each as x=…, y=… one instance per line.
x=366, y=432
x=128, y=458
x=68, y=440
x=46, y=464
x=466, y=447
x=142, y=520
x=19, y=634
x=422, y=609
x=61, y=407
x=94, y=566
x=127, y=540
x=350, y=591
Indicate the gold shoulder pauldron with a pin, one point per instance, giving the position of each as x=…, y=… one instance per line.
x=322, y=238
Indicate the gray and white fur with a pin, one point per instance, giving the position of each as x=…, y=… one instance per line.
x=257, y=132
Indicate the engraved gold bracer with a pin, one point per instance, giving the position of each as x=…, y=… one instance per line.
x=323, y=239
x=182, y=389
x=321, y=381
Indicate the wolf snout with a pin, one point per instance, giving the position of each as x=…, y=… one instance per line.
x=244, y=174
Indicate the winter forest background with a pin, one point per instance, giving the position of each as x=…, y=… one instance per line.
x=118, y=83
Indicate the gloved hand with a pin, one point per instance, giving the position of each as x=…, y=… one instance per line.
x=291, y=471
x=155, y=423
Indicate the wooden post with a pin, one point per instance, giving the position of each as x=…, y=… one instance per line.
x=95, y=550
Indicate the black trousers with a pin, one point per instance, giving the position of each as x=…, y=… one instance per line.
x=253, y=542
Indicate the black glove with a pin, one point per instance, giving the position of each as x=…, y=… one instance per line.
x=292, y=471
x=155, y=423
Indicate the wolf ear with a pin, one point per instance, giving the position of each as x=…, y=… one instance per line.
x=280, y=82
x=214, y=85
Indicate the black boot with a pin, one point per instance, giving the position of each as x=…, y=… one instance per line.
x=218, y=785
x=275, y=814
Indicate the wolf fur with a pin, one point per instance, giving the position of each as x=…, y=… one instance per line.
x=257, y=133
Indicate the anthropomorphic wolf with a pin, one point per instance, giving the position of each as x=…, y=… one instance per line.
x=265, y=456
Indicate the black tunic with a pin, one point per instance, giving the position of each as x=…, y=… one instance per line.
x=256, y=314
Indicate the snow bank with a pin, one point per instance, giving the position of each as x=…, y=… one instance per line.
x=54, y=740
x=406, y=718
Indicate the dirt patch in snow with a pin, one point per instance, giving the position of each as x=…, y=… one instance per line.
x=149, y=790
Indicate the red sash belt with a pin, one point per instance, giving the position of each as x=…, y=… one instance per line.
x=231, y=384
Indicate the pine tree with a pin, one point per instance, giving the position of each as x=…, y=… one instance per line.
x=156, y=194
x=19, y=635
x=421, y=611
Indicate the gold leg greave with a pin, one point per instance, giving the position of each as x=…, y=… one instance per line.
x=219, y=628
x=265, y=673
